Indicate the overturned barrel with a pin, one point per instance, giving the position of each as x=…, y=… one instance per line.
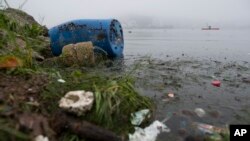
x=106, y=34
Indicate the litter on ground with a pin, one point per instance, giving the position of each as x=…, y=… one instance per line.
x=149, y=133
x=138, y=117
x=77, y=101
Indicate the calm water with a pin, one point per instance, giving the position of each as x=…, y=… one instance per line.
x=221, y=44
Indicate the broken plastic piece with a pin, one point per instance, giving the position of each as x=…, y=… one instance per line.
x=200, y=112
x=10, y=62
x=216, y=83
x=149, y=133
x=61, y=80
x=41, y=138
x=138, y=117
x=171, y=95
x=77, y=101
x=209, y=129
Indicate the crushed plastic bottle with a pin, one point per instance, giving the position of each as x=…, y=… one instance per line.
x=149, y=133
x=200, y=112
x=138, y=117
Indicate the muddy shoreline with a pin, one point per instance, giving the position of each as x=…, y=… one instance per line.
x=190, y=80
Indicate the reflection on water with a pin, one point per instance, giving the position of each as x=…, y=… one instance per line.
x=219, y=45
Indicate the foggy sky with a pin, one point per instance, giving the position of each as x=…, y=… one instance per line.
x=170, y=12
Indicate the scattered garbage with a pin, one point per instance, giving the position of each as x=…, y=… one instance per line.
x=10, y=62
x=81, y=53
x=77, y=101
x=149, y=133
x=207, y=129
x=138, y=117
x=41, y=138
x=61, y=80
x=37, y=56
x=171, y=95
x=200, y=112
x=216, y=83
x=210, y=132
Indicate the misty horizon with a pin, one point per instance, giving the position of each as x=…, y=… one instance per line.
x=144, y=13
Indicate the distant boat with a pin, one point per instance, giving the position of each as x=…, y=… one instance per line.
x=210, y=28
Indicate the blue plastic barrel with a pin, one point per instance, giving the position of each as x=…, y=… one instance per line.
x=106, y=34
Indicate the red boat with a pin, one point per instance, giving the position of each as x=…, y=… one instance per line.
x=210, y=28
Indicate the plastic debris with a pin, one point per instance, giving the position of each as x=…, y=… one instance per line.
x=138, y=117
x=209, y=129
x=149, y=133
x=10, y=62
x=200, y=112
x=216, y=83
x=212, y=133
x=41, y=138
x=171, y=95
x=77, y=101
x=61, y=80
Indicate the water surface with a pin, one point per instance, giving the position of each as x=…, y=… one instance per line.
x=185, y=62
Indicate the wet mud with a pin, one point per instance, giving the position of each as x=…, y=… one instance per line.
x=189, y=81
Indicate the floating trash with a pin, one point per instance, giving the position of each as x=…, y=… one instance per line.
x=207, y=129
x=149, y=133
x=216, y=83
x=138, y=117
x=77, y=101
x=200, y=112
x=171, y=95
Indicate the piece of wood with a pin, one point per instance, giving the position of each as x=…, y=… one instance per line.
x=82, y=128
